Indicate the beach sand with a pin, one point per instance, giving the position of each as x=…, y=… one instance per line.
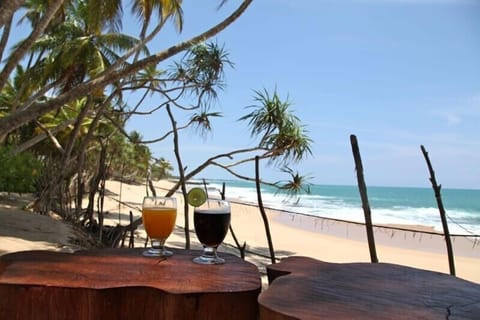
x=324, y=239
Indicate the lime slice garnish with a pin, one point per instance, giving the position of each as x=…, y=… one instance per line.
x=196, y=197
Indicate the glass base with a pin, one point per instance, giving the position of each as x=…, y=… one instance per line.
x=153, y=252
x=209, y=256
x=209, y=260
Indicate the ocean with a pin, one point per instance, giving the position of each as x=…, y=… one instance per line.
x=388, y=205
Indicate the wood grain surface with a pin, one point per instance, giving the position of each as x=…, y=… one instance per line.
x=305, y=288
x=122, y=284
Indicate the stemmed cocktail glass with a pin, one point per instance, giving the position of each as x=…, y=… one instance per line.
x=159, y=215
x=211, y=220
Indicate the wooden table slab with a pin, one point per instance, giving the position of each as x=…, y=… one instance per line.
x=122, y=284
x=305, y=288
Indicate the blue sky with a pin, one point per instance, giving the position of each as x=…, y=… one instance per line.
x=396, y=73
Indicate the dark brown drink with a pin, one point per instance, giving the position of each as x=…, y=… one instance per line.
x=211, y=227
x=211, y=220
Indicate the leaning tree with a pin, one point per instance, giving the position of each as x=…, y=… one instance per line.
x=76, y=61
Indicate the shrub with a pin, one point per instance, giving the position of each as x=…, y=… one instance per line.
x=18, y=173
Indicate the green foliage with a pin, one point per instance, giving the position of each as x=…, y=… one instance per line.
x=279, y=129
x=202, y=70
x=129, y=158
x=18, y=173
x=296, y=186
x=161, y=169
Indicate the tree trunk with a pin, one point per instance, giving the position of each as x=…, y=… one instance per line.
x=262, y=211
x=6, y=32
x=7, y=9
x=94, y=183
x=18, y=54
x=17, y=119
x=181, y=177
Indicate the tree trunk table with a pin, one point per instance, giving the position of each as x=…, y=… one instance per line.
x=305, y=288
x=123, y=284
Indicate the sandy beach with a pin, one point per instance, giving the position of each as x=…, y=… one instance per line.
x=324, y=239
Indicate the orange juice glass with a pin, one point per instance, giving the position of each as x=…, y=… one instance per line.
x=158, y=215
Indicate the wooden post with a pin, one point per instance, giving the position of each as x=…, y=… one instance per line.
x=438, y=197
x=363, y=194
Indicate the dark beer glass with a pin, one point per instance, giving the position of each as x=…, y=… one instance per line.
x=211, y=221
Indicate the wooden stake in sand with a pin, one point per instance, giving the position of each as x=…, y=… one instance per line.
x=363, y=194
x=443, y=216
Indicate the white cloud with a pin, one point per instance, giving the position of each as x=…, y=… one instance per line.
x=453, y=119
x=467, y=109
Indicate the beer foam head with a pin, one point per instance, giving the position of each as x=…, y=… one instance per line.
x=212, y=210
x=214, y=207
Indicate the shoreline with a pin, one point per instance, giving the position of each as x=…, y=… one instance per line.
x=326, y=239
x=422, y=237
x=292, y=234
x=340, y=241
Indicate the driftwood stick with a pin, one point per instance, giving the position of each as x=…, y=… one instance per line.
x=443, y=216
x=363, y=194
x=131, y=243
x=241, y=248
x=151, y=186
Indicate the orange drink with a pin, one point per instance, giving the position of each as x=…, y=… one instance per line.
x=158, y=215
x=159, y=222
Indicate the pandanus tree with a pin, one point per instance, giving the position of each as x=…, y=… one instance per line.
x=75, y=53
x=281, y=136
x=190, y=86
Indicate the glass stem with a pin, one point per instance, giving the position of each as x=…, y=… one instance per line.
x=158, y=244
x=210, y=252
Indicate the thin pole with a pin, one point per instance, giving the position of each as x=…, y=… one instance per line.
x=443, y=216
x=363, y=194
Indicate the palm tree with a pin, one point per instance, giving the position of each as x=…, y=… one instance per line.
x=14, y=59
x=77, y=51
x=166, y=9
x=112, y=75
x=161, y=168
x=13, y=93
